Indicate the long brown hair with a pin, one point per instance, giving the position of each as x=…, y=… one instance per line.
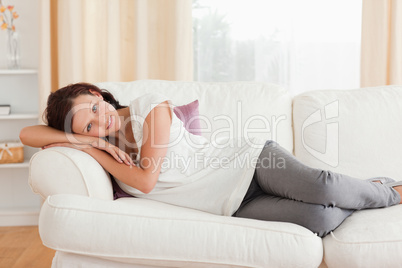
x=60, y=102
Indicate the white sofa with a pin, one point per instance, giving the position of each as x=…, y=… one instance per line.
x=357, y=132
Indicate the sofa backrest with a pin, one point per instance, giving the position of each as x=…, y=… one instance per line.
x=226, y=109
x=356, y=132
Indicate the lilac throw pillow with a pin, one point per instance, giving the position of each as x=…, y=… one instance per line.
x=189, y=115
x=117, y=191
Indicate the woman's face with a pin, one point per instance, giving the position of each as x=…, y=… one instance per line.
x=92, y=116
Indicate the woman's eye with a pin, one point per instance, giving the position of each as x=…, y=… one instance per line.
x=89, y=127
x=94, y=108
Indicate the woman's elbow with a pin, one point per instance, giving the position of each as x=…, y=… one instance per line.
x=148, y=184
x=147, y=188
x=24, y=136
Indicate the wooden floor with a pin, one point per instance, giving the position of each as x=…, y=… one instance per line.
x=21, y=247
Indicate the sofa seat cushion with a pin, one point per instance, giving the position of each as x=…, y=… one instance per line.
x=368, y=238
x=134, y=230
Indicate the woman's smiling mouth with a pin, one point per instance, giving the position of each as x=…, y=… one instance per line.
x=110, y=122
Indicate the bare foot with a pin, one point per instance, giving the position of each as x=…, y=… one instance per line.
x=399, y=190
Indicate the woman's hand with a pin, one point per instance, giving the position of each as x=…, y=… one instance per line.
x=119, y=155
x=113, y=150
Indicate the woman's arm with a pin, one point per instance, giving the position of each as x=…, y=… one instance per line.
x=132, y=175
x=41, y=135
x=156, y=134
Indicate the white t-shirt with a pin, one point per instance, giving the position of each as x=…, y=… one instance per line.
x=198, y=174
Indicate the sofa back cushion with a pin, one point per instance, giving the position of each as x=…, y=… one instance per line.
x=356, y=132
x=233, y=109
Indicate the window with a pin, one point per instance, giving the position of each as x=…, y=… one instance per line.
x=300, y=45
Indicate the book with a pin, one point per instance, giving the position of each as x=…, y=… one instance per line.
x=5, y=109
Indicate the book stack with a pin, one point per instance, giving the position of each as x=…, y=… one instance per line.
x=5, y=109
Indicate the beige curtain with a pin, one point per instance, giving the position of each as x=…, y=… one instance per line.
x=114, y=40
x=44, y=78
x=381, y=58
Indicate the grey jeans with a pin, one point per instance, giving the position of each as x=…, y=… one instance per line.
x=283, y=189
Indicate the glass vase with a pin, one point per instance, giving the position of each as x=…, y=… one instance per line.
x=13, y=49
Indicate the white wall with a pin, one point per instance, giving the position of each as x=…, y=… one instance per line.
x=28, y=27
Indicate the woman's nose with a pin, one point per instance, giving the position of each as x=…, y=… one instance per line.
x=102, y=118
x=101, y=113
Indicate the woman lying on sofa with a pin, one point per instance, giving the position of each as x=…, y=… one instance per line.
x=140, y=144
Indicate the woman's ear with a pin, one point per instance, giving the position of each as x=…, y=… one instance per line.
x=96, y=93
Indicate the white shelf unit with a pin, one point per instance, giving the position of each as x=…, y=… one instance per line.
x=24, y=164
x=18, y=204
x=18, y=72
x=19, y=116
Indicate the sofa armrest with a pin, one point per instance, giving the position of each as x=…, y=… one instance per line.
x=62, y=170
